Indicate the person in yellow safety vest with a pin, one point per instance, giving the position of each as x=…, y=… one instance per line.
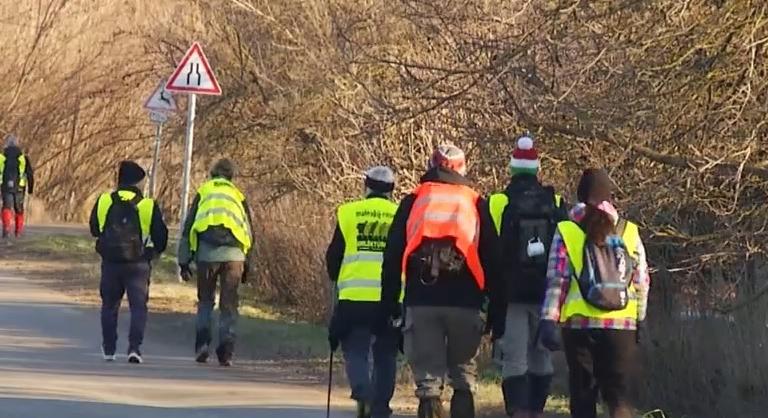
x=218, y=238
x=601, y=346
x=130, y=233
x=353, y=260
x=17, y=180
x=526, y=215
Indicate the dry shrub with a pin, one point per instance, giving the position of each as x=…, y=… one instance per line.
x=291, y=238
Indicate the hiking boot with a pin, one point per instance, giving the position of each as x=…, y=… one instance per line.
x=108, y=355
x=134, y=356
x=431, y=408
x=363, y=410
x=224, y=353
x=462, y=404
x=202, y=353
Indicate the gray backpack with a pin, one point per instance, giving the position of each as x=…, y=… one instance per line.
x=607, y=273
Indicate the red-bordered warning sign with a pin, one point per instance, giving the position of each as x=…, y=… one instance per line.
x=194, y=74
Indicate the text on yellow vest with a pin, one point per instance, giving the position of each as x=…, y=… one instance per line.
x=364, y=224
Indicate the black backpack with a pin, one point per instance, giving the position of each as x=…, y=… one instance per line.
x=121, y=241
x=529, y=218
x=11, y=178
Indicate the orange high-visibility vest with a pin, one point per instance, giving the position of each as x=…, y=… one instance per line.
x=446, y=210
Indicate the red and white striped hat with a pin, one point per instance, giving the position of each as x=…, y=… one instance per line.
x=525, y=158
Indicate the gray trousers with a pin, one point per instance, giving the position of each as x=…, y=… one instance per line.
x=520, y=349
x=442, y=341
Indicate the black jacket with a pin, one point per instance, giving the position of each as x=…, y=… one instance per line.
x=12, y=166
x=158, y=230
x=348, y=314
x=524, y=286
x=460, y=292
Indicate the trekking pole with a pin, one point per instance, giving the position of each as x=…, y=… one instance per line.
x=330, y=383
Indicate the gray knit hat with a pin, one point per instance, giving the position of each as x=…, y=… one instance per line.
x=11, y=141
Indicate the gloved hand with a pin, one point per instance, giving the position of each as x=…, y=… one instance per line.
x=495, y=324
x=641, y=331
x=150, y=254
x=549, y=335
x=186, y=272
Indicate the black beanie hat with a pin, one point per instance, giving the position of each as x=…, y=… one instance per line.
x=595, y=182
x=130, y=173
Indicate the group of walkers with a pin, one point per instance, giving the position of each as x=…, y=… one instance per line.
x=216, y=238
x=431, y=275
x=428, y=276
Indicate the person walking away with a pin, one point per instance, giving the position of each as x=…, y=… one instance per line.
x=218, y=237
x=442, y=243
x=526, y=215
x=598, y=291
x=354, y=260
x=18, y=180
x=130, y=232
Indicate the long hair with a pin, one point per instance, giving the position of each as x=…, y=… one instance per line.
x=597, y=224
x=594, y=187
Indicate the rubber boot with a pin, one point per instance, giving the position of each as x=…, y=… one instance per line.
x=516, y=396
x=539, y=392
x=363, y=410
x=7, y=219
x=431, y=408
x=19, y=224
x=462, y=404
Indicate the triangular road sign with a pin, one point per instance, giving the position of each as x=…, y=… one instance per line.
x=194, y=74
x=161, y=100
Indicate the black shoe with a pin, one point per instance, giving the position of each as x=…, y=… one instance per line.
x=224, y=353
x=462, y=404
x=431, y=408
x=134, y=356
x=201, y=354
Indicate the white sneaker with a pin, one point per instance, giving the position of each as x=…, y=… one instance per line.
x=108, y=357
x=134, y=357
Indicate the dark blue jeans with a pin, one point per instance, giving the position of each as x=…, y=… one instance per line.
x=373, y=386
x=118, y=279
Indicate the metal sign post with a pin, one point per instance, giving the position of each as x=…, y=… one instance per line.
x=160, y=104
x=188, y=147
x=155, y=160
x=192, y=76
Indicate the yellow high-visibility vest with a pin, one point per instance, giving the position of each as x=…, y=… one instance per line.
x=575, y=305
x=22, y=169
x=221, y=204
x=146, y=209
x=364, y=224
x=499, y=201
